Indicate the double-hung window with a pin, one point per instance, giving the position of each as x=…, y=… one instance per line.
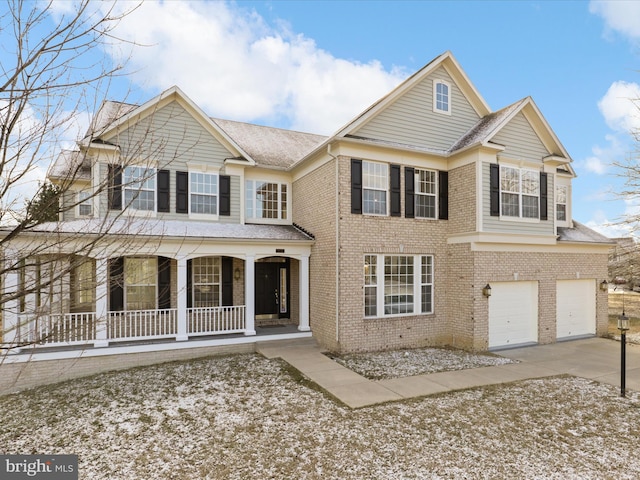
x=85, y=204
x=426, y=193
x=206, y=281
x=520, y=192
x=265, y=200
x=203, y=191
x=562, y=195
x=139, y=186
x=375, y=185
x=398, y=285
x=140, y=282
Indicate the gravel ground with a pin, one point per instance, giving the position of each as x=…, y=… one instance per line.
x=246, y=417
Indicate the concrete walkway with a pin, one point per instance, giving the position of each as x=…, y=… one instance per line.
x=594, y=358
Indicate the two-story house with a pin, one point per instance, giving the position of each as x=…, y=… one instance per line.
x=427, y=220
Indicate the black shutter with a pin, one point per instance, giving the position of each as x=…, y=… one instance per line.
x=164, y=283
x=356, y=186
x=116, y=284
x=182, y=192
x=494, y=189
x=227, y=281
x=189, y=284
x=225, y=195
x=409, y=192
x=443, y=195
x=115, y=187
x=544, y=203
x=164, y=190
x=396, y=191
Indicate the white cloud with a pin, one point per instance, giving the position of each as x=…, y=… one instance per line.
x=612, y=229
x=620, y=106
x=620, y=15
x=234, y=65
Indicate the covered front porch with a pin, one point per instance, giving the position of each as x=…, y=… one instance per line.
x=162, y=292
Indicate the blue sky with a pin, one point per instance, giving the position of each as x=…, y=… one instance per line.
x=313, y=65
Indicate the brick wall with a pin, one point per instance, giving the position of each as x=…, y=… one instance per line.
x=314, y=209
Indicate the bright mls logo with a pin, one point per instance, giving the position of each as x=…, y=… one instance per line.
x=50, y=467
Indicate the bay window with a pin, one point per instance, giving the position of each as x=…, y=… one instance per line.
x=266, y=200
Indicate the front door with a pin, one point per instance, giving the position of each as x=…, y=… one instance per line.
x=271, y=290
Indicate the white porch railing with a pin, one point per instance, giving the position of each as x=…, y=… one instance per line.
x=142, y=324
x=216, y=320
x=136, y=325
x=58, y=329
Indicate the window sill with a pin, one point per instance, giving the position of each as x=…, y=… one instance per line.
x=140, y=213
x=399, y=315
x=203, y=216
x=505, y=218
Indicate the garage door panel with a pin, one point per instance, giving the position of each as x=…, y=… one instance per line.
x=575, y=308
x=513, y=313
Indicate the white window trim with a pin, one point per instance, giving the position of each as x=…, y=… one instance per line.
x=560, y=183
x=206, y=171
x=126, y=286
x=87, y=200
x=386, y=190
x=134, y=212
x=215, y=285
x=273, y=221
x=415, y=194
x=437, y=82
x=519, y=218
x=417, y=286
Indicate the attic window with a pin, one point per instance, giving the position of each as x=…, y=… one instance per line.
x=441, y=97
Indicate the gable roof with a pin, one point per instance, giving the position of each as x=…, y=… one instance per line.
x=120, y=116
x=445, y=60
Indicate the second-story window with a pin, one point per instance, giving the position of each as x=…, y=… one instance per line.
x=85, y=204
x=203, y=190
x=266, y=200
x=426, y=193
x=561, y=203
x=520, y=192
x=139, y=187
x=375, y=183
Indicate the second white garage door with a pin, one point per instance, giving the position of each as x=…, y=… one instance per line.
x=575, y=308
x=513, y=313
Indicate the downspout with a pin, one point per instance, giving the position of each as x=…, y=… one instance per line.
x=337, y=292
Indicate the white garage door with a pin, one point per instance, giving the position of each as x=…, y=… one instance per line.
x=575, y=308
x=513, y=313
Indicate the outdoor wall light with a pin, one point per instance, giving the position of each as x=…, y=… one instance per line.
x=236, y=274
x=604, y=286
x=486, y=291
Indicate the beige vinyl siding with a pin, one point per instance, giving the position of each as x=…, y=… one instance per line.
x=170, y=139
x=520, y=140
x=412, y=121
x=495, y=224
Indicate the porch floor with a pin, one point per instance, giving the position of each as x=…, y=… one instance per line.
x=265, y=333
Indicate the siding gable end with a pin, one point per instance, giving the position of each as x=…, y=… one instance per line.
x=410, y=119
x=520, y=140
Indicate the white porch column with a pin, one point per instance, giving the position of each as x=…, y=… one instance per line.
x=102, y=310
x=182, y=333
x=250, y=294
x=303, y=324
x=10, y=321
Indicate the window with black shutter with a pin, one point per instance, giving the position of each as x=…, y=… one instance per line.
x=227, y=281
x=494, y=189
x=356, y=186
x=116, y=284
x=115, y=187
x=443, y=195
x=182, y=192
x=544, y=205
x=395, y=190
x=164, y=190
x=164, y=283
x=225, y=195
x=409, y=192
